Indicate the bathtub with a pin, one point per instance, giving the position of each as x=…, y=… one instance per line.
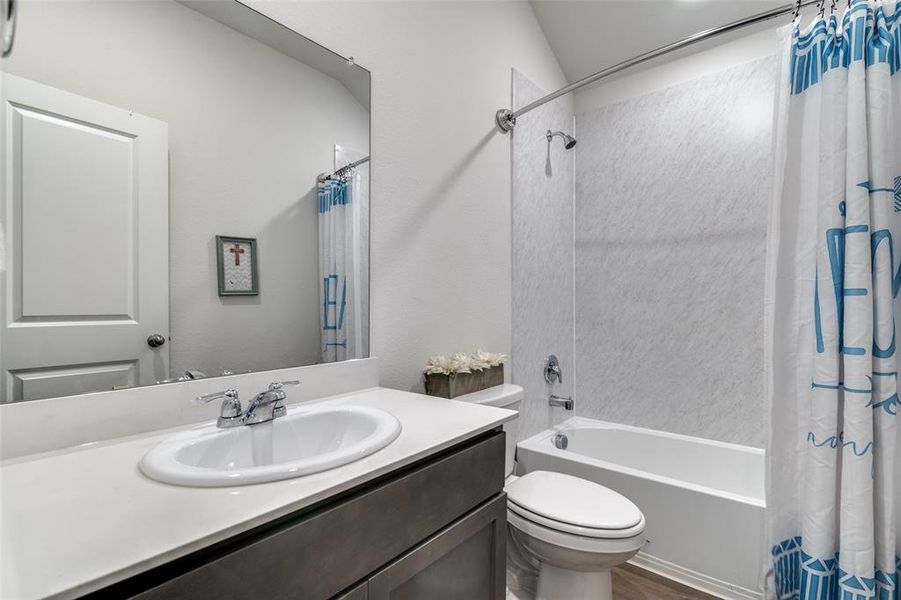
x=703, y=500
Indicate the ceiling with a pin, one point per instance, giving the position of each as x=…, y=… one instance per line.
x=588, y=35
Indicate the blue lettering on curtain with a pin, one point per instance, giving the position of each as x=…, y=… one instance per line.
x=333, y=316
x=835, y=243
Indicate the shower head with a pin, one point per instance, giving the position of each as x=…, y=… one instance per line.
x=568, y=140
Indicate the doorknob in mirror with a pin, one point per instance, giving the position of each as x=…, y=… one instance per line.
x=8, y=14
x=156, y=340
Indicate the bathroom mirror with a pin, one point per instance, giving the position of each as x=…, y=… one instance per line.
x=174, y=203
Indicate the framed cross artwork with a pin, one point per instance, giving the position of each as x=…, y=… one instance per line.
x=237, y=261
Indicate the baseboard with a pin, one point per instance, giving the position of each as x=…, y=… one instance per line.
x=693, y=579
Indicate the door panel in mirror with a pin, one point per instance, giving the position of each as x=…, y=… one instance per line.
x=66, y=380
x=75, y=172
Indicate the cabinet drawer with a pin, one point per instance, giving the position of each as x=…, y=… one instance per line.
x=327, y=551
x=465, y=560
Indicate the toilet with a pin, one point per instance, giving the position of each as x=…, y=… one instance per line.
x=564, y=533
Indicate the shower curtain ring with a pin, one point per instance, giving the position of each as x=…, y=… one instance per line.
x=797, y=12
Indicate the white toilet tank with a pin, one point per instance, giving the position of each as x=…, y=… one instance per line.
x=507, y=396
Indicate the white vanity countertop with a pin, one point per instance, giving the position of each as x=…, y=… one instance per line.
x=73, y=521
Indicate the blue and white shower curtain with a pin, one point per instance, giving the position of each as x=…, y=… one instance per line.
x=834, y=471
x=339, y=264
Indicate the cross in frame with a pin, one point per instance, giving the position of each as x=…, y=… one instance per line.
x=237, y=250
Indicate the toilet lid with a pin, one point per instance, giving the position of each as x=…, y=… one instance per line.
x=573, y=501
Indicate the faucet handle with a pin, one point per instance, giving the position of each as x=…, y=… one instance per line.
x=277, y=385
x=552, y=370
x=207, y=398
x=231, y=413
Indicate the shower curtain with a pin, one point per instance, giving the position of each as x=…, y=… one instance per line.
x=339, y=264
x=834, y=471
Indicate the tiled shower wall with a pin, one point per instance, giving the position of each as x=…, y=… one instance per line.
x=542, y=255
x=670, y=232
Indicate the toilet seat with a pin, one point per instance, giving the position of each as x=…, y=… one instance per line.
x=576, y=530
x=570, y=541
x=572, y=505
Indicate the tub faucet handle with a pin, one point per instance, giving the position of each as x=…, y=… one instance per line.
x=552, y=370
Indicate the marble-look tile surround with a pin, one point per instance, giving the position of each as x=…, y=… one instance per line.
x=670, y=233
x=542, y=256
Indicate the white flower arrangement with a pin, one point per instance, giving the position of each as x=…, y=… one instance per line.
x=463, y=363
x=443, y=365
x=489, y=359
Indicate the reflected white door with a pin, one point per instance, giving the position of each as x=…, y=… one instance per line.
x=85, y=209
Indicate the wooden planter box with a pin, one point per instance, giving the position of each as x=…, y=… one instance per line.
x=451, y=386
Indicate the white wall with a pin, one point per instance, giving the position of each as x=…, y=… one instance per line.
x=250, y=128
x=441, y=174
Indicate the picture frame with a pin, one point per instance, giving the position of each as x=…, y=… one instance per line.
x=236, y=259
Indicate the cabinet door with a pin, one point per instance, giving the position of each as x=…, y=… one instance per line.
x=465, y=561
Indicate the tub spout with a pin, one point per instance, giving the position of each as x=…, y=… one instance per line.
x=566, y=403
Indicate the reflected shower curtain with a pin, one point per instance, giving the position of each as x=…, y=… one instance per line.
x=834, y=472
x=339, y=264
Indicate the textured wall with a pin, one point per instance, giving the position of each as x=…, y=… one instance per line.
x=671, y=197
x=441, y=234
x=542, y=254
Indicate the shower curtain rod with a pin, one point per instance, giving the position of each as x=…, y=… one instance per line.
x=323, y=177
x=506, y=118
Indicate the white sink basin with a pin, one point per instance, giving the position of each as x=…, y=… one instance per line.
x=304, y=441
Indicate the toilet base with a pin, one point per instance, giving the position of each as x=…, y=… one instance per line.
x=555, y=583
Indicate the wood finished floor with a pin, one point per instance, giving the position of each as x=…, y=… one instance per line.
x=632, y=583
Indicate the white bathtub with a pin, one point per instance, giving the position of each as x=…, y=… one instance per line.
x=703, y=500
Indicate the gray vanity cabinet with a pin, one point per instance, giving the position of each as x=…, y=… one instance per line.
x=431, y=531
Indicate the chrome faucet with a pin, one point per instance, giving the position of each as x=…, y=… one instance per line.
x=264, y=407
x=566, y=403
x=267, y=405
